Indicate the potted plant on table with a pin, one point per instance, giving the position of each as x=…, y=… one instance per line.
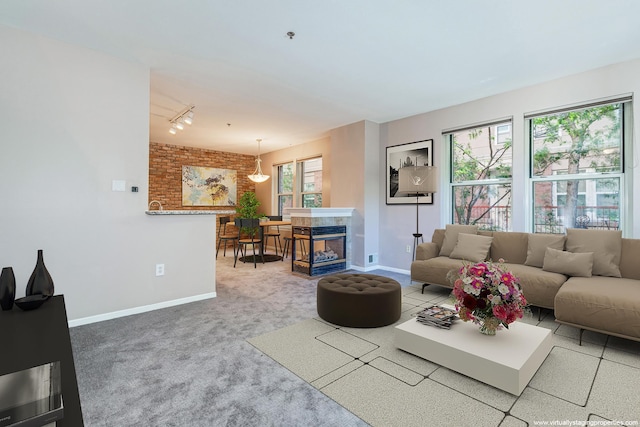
x=248, y=205
x=247, y=208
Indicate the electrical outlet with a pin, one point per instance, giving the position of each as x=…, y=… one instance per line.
x=159, y=269
x=408, y=249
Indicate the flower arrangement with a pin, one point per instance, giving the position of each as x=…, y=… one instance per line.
x=488, y=295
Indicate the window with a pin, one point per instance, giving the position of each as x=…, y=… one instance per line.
x=481, y=163
x=576, y=167
x=285, y=187
x=307, y=182
x=311, y=182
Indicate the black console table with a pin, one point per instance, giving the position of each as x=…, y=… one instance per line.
x=40, y=336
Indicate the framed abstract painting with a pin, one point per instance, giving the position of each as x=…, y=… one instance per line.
x=203, y=186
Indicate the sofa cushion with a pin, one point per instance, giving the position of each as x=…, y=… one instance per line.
x=604, y=304
x=438, y=238
x=538, y=286
x=427, y=250
x=510, y=246
x=435, y=270
x=537, y=244
x=451, y=236
x=606, y=246
x=568, y=263
x=629, y=265
x=472, y=247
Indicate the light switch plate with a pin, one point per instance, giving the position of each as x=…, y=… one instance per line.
x=118, y=185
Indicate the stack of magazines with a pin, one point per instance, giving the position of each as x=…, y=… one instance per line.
x=437, y=316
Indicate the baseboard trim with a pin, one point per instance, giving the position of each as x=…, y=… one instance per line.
x=380, y=267
x=394, y=270
x=138, y=310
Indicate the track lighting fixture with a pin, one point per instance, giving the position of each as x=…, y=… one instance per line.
x=178, y=121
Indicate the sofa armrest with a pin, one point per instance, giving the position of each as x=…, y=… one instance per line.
x=427, y=250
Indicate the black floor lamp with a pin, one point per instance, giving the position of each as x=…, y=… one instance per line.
x=418, y=181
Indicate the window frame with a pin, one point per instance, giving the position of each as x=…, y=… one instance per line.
x=505, y=182
x=302, y=172
x=279, y=193
x=298, y=193
x=583, y=175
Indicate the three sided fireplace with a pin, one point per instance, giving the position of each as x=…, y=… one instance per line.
x=322, y=249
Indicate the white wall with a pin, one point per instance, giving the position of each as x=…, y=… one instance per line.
x=71, y=121
x=397, y=223
x=266, y=190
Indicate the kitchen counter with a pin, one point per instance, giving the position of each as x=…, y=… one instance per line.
x=190, y=212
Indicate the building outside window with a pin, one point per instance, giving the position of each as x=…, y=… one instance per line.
x=481, y=170
x=302, y=188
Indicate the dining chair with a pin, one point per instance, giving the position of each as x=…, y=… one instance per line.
x=274, y=234
x=225, y=236
x=248, y=234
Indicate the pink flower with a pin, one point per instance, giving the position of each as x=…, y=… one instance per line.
x=500, y=312
x=507, y=278
x=478, y=269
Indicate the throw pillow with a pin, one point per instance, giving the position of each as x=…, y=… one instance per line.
x=568, y=263
x=471, y=247
x=451, y=236
x=606, y=246
x=538, y=244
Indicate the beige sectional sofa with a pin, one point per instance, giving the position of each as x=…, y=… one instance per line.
x=590, y=278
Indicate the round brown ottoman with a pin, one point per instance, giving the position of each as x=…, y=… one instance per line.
x=359, y=300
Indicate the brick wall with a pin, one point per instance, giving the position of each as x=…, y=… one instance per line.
x=165, y=172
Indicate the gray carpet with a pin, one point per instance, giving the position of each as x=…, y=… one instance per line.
x=191, y=365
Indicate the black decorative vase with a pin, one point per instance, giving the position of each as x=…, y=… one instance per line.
x=40, y=281
x=7, y=288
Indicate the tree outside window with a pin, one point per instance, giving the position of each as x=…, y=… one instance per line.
x=576, y=168
x=481, y=176
x=285, y=187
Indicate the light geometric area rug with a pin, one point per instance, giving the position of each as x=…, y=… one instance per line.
x=362, y=370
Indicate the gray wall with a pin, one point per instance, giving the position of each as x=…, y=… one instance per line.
x=71, y=121
x=397, y=223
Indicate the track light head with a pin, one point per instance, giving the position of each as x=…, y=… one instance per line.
x=188, y=119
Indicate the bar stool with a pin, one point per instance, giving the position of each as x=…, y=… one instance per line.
x=225, y=237
x=287, y=245
x=273, y=234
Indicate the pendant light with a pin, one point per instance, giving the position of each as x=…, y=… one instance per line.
x=257, y=175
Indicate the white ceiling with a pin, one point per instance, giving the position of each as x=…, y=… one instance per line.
x=350, y=60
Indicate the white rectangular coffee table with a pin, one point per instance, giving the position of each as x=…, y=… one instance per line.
x=507, y=360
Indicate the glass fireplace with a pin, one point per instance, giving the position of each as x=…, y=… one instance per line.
x=319, y=250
